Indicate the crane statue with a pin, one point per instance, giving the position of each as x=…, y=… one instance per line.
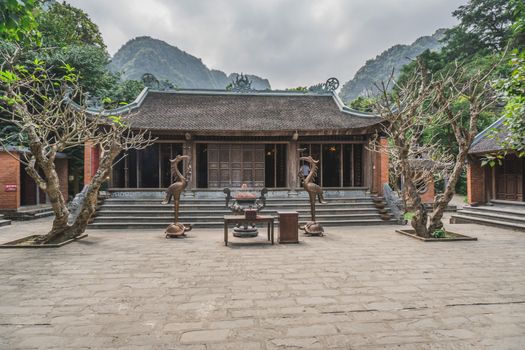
x=314, y=192
x=177, y=229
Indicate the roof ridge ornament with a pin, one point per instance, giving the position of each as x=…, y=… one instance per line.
x=330, y=85
x=241, y=83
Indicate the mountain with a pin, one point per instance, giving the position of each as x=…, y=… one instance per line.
x=379, y=69
x=166, y=62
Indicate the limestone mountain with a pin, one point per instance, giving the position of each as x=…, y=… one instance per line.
x=166, y=62
x=379, y=69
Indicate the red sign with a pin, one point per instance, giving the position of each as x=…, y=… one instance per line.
x=10, y=188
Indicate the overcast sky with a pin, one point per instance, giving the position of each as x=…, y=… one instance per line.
x=290, y=42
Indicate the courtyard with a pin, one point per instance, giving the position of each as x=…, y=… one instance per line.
x=356, y=288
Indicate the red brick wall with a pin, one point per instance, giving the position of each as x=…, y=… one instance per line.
x=475, y=181
x=428, y=196
x=9, y=175
x=61, y=169
x=91, y=162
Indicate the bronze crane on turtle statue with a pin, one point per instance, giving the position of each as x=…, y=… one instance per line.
x=177, y=229
x=314, y=192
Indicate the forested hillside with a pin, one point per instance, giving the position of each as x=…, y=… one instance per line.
x=166, y=62
x=379, y=69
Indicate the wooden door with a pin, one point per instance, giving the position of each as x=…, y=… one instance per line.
x=258, y=166
x=509, y=179
x=231, y=165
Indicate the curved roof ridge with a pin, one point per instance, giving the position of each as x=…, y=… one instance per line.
x=483, y=133
x=209, y=110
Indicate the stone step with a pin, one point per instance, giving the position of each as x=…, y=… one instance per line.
x=25, y=214
x=141, y=213
x=183, y=218
x=497, y=209
x=4, y=222
x=461, y=218
x=44, y=214
x=287, y=206
x=494, y=214
x=222, y=200
x=105, y=211
x=515, y=204
x=220, y=224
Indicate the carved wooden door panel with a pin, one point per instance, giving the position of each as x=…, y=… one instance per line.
x=213, y=165
x=231, y=165
x=509, y=179
x=224, y=165
x=258, y=166
x=236, y=165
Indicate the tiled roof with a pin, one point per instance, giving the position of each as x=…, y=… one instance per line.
x=211, y=111
x=490, y=139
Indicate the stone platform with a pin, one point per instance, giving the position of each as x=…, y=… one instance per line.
x=206, y=209
x=356, y=288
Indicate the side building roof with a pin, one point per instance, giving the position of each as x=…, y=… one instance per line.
x=490, y=139
x=219, y=112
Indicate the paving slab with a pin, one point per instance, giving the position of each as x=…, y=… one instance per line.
x=355, y=288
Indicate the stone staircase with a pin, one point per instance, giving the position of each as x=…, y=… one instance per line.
x=507, y=214
x=29, y=212
x=140, y=213
x=4, y=221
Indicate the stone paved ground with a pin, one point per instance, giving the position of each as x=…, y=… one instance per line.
x=356, y=288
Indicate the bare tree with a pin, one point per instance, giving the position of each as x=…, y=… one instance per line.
x=422, y=102
x=39, y=104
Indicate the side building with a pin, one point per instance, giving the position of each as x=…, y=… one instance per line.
x=20, y=197
x=495, y=194
x=504, y=181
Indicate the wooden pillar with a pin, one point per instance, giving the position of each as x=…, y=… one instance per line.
x=475, y=181
x=293, y=163
x=188, y=149
x=380, y=167
x=91, y=161
x=384, y=175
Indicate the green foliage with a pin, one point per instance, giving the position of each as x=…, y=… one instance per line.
x=379, y=69
x=116, y=119
x=298, y=88
x=363, y=104
x=440, y=233
x=493, y=159
x=461, y=45
x=89, y=60
x=513, y=89
x=31, y=87
x=122, y=93
x=489, y=21
x=409, y=215
x=518, y=26
x=63, y=25
x=485, y=29
x=17, y=21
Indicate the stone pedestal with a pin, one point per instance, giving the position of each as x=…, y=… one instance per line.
x=288, y=227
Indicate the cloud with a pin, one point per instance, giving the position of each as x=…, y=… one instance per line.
x=290, y=42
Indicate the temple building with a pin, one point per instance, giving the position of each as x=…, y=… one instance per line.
x=248, y=137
